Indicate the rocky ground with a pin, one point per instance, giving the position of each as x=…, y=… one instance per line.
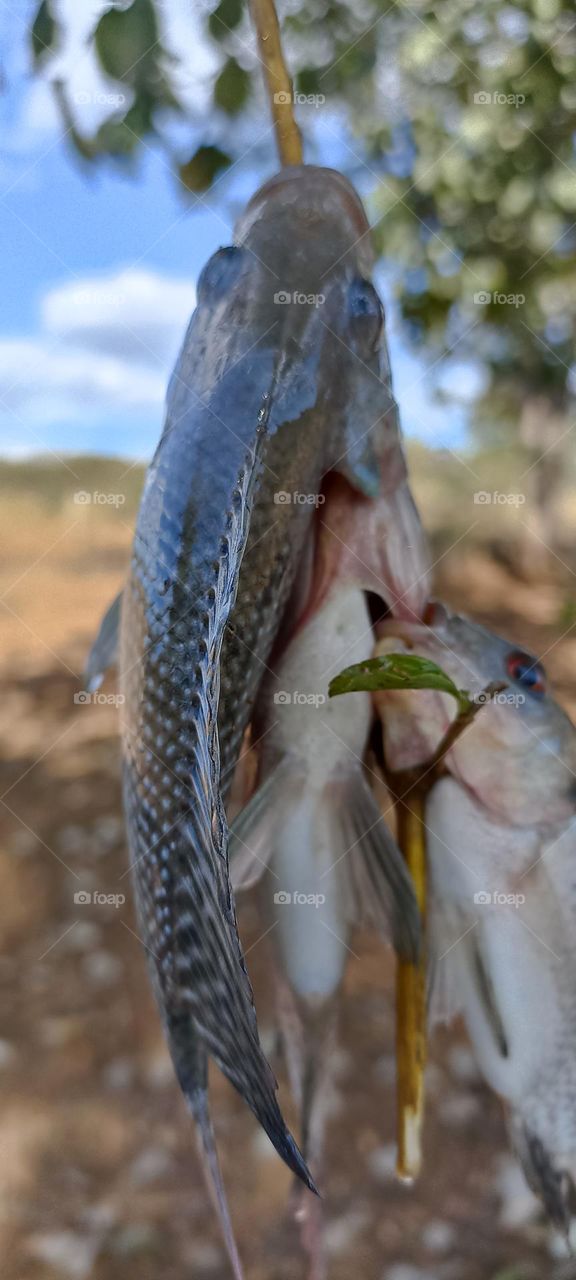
x=98, y=1170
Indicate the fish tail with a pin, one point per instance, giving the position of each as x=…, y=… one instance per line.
x=215, y=990
x=197, y=1100
x=191, y=1065
x=273, y=1123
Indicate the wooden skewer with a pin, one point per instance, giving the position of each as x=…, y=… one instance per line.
x=411, y=1002
x=278, y=82
x=410, y=789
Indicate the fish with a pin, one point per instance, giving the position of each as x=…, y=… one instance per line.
x=281, y=387
x=312, y=836
x=501, y=843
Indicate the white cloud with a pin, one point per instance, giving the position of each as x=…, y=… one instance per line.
x=133, y=314
x=105, y=347
x=44, y=382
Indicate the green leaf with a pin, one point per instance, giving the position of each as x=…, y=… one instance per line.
x=44, y=31
x=397, y=671
x=200, y=171
x=232, y=87
x=224, y=18
x=126, y=41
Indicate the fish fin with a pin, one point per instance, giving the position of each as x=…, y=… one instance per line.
x=554, y=1187
x=252, y=831
x=445, y=933
x=213, y=1177
x=213, y=980
x=380, y=883
x=191, y=1068
x=104, y=651
x=308, y=1034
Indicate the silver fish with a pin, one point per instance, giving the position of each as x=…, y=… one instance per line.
x=501, y=835
x=283, y=378
x=312, y=837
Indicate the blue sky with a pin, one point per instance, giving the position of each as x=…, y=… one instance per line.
x=99, y=267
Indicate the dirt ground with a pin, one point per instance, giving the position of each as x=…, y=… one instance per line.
x=98, y=1171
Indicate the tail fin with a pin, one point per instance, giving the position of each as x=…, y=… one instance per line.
x=198, y=1103
x=213, y=986
x=191, y=1066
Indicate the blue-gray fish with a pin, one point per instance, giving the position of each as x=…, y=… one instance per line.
x=502, y=910
x=283, y=377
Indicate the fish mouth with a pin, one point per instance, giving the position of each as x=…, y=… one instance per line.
x=377, y=545
x=310, y=200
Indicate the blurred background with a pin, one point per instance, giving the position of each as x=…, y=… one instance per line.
x=132, y=135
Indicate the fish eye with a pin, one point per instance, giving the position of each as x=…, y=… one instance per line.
x=526, y=671
x=365, y=309
x=221, y=272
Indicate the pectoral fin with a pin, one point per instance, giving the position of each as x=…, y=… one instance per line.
x=252, y=832
x=104, y=651
x=382, y=890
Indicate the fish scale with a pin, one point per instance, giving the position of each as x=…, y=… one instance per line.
x=269, y=394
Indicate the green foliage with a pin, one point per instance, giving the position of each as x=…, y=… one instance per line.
x=232, y=87
x=199, y=172
x=44, y=32
x=397, y=671
x=471, y=196
x=225, y=17
x=126, y=41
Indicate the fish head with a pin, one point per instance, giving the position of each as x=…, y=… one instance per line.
x=518, y=757
x=309, y=238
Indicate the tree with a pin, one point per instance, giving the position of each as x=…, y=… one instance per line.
x=464, y=115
